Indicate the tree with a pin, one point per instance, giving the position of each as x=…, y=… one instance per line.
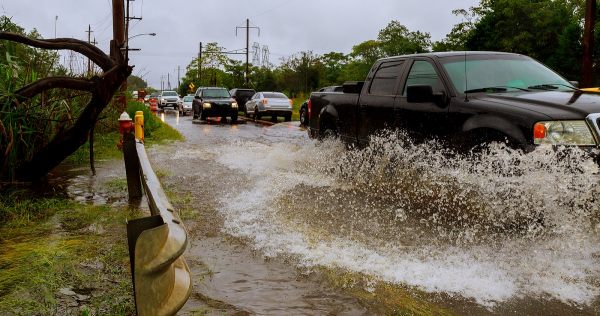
x=333, y=63
x=136, y=83
x=457, y=38
x=533, y=28
x=395, y=39
x=37, y=134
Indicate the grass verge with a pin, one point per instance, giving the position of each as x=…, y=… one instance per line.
x=60, y=257
x=105, y=144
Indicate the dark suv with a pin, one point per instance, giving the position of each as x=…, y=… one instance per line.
x=304, y=107
x=214, y=102
x=242, y=96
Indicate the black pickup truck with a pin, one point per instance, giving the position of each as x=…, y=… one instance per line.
x=464, y=99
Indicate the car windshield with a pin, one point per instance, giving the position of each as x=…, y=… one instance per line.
x=274, y=95
x=215, y=93
x=169, y=94
x=499, y=73
x=188, y=99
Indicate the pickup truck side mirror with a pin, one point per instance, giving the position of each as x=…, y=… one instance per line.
x=419, y=93
x=196, y=97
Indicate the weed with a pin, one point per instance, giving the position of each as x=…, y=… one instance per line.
x=41, y=258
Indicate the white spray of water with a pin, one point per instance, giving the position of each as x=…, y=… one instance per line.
x=506, y=226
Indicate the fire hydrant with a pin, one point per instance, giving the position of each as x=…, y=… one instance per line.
x=125, y=126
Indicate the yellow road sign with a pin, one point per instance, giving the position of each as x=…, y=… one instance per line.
x=191, y=86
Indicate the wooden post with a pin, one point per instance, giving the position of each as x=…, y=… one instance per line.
x=132, y=167
x=119, y=22
x=588, y=43
x=119, y=38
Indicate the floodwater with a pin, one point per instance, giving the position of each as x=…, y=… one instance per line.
x=505, y=233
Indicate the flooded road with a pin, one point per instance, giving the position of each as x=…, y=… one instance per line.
x=506, y=234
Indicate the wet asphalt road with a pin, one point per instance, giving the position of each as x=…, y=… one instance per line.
x=248, y=253
x=229, y=276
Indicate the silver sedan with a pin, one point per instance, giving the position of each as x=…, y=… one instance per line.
x=271, y=104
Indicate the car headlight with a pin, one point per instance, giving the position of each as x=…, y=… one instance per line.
x=206, y=105
x=234, y=105
x=563, y=133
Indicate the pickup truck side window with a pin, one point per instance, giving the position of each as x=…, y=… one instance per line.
x=423, y=73
x=385, y=79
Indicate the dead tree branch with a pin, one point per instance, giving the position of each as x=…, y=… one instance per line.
x=37, y=87
x=90, y=51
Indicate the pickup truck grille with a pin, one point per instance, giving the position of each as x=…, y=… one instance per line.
x=594, y=122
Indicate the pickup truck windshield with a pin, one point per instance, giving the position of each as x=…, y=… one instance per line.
x=512, y=73
x=215, y=93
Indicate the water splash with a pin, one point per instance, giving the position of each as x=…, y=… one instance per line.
x=495, y=227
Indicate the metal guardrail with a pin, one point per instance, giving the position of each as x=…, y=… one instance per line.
x=161, y=278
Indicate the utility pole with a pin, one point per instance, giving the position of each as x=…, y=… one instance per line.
x=119, y=38
x=127, y=19
x=118, y=22
x=95, y=43
x=247, y=27
x=200, y=65
x=89, y=31
x=178, y=76
x=588, y=43
x=169, y=81
x=55, y=20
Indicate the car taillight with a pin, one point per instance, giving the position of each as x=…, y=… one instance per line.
x=309, y=108
x=264, y=101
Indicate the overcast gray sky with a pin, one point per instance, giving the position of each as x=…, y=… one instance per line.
x=286, y=26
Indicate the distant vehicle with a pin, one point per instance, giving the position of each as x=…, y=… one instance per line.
x=303, y=111
x=168, y=98
x=186, y=105
x=146, y=98
x=271, y=104
x=242, y=96
x=214, y=102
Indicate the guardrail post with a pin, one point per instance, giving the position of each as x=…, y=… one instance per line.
x=132, y=167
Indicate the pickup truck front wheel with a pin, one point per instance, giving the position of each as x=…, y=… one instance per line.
x=479, y=141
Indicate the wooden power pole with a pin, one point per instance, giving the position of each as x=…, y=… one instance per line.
x=588, y=43
x=247, y=27
x=119, y=38
x=89, y=68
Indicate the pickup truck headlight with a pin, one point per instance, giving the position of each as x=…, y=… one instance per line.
x=234, y=105
x=206, y=105
x=563, y=133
